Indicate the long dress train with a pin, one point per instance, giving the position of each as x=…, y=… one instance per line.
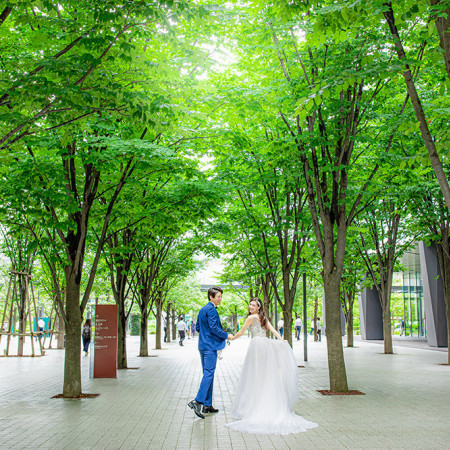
x=268, y=388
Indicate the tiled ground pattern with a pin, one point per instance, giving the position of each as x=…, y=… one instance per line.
x=407, y=402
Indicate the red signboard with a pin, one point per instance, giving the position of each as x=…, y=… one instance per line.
x=105, y=343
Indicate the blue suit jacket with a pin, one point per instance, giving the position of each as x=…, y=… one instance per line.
x=211, y=334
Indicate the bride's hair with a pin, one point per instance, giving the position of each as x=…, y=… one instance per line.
x=261, y=312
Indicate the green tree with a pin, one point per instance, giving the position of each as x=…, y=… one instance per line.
x=18, y=246
x=352, y=281
x=432, y=221
x=384, y=238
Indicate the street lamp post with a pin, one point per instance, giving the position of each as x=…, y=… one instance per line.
x=305, y=330
x=275, y=305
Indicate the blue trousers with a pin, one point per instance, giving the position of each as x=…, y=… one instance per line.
x=209, y=361
x=86, y=343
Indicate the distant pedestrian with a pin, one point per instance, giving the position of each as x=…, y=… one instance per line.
x=181, y=326
x=41, y=326
x=402, y=330
x=86, y=335
x=165, y=329
x=319, y=329
x=192, y=328
x=188, y=330
x=312, y=327
x=298, y=327
x=281, y=327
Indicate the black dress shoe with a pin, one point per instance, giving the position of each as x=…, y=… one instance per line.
x=209, y=409
x=197, y=407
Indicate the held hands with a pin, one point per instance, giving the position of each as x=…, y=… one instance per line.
x=230, y=337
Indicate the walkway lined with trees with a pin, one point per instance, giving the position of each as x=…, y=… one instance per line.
x=287, y=138
x=406, y=403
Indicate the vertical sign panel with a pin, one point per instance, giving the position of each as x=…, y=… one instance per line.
x=105, y=343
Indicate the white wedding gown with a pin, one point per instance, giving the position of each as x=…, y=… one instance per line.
x=268, y=388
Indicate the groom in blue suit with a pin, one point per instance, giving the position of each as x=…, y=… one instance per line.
x=211, y=339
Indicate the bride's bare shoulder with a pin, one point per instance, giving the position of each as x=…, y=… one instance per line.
x=251, y=318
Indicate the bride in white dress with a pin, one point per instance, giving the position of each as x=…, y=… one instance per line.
x=268, y=385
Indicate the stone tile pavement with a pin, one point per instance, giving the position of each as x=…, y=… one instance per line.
x=407, y=402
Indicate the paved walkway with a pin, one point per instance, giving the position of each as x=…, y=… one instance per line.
x=406, y=341
x=407, y=402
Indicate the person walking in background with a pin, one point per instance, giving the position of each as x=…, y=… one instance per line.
x=298, y=326
x=41, y=326
x=319, y=329
x=181, y=326
x=192, y=328
x=86, y=335
x=312, y=327
x=165, y=329
x=188, y=330
x=281, y=327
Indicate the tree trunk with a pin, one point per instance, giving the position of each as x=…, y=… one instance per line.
x=168, y=322
x=287, y=319
x=158, y=322
x=268, y=310
x=122, y=337
x=288, y=304
x=143, y=349
x=443, y=249
x=384, y=293
x=266, y=302
x=316, y=306
x=4, y=15
x=447, y=305
x=443, y=28
x=22, y=310
x=418, y=109
x=336, y=363
x=174, y=325
x=387, y=330
x=385, y=298
x=350, y=328
x=447, y=297
x=349, y=316
x=72, y=365
x=60, y=327
x=348, y=298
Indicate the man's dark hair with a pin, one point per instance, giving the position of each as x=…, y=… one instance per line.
x=212, y=292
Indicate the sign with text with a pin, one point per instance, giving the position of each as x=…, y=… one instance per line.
x=105, y=341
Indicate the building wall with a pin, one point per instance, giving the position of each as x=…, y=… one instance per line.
x=423, y=300
x=433, y=295
x=370, y=315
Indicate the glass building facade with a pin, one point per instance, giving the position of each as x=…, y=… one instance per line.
x=413, y=305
